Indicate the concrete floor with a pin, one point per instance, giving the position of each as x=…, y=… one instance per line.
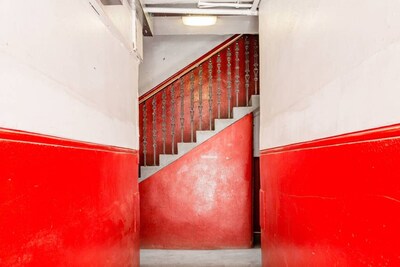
x=201, y=258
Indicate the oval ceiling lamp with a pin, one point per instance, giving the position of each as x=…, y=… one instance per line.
x=199, y=20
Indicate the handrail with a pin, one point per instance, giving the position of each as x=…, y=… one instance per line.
x=189, y=67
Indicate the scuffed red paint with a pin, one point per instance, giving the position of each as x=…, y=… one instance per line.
x=67, y=203
x=332, y=202
x=202, y=200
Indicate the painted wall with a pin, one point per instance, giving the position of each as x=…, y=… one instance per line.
x=327, y=67
x=165, y=55
x=203, y=199
x=64, y=73
x=67, y=203
x=333, y=202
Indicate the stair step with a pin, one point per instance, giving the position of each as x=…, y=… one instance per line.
x=166, y=159
x=255, y=101
x=146, y=171
x=202, y=136
x=220, y=124
x=185, y=147
x=239, y=112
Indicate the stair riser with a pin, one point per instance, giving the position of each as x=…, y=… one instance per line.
x=255, y=101
x=202, y=136
x=167, y=159
x=240, y=112
x=221, y=124
x=185, y=147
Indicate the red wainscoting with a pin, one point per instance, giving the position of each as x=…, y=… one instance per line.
x=333, y=202
x=67, y=203
x=202, y=200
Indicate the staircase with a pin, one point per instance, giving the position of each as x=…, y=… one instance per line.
x=196, y=151
x=198, y=102
x=201, y=136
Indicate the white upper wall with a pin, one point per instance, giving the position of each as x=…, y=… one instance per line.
x=63, y=73
x=327, y=68
x=166, y=55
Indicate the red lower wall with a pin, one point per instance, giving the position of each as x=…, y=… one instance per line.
x=333, y=202
x=66, y=203
x=202, y=200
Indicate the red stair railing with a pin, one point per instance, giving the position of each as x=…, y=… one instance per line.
x=192, y=98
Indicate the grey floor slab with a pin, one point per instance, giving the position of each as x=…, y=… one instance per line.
x=201, y=258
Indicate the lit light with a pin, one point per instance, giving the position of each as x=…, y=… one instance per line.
x=199, y=20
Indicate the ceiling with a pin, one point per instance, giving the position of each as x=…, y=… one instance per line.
x=234, y=16
x=203, y=7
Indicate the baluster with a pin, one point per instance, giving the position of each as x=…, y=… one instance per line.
x=210, y=101
x=154, y=130
x=164, y=118
x=229, y=78
x=182, y=118
x=219, y=85
x=144, y=133
x=200, y=97
x=237, y=72
x=255, y=66
x=247, y=68
x=191, y=106
x=173, y=117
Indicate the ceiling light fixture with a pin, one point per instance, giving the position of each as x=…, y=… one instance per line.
x=199, y=20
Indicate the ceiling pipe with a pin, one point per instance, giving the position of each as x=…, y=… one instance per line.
x=235, y=5
x=178, y=2
x=197, y=11
x=230, y=1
